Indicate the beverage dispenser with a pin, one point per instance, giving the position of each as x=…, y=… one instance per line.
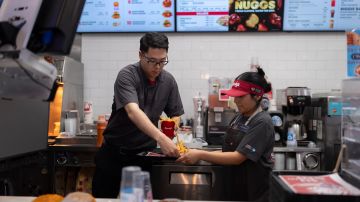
x=218, y=114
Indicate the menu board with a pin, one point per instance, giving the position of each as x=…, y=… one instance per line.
x=202, y=15
x=255, y=15
x=127, y=16
x=321, y=15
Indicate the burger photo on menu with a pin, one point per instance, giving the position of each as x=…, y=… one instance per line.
x=255, y=15
x=116, y=15
x=167, y=13
x=167, y=3
x=167, y=23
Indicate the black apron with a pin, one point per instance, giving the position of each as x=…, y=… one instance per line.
x=239, y=175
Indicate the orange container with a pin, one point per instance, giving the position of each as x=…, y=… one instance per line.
x=101, y=125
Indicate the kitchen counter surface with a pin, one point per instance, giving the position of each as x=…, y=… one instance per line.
x=92, y=147
x=30, y=198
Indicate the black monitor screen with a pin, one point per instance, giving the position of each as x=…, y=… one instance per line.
x=321, y=15
x=128, y=16
x=55, y=26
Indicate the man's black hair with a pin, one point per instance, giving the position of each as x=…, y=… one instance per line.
x=153, y=40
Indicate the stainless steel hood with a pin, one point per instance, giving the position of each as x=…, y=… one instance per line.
x=25, y=75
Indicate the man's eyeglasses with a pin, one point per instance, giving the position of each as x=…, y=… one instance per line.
x=154, y=62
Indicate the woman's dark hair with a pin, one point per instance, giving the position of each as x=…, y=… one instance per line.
x=153, y=40
x=257, y=78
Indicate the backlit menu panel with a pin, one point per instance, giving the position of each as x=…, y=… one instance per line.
x=321, y=15
x=202, y=15
x=127, y=16
x=255, y=15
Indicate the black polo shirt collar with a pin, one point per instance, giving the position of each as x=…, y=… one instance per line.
x=160, y=78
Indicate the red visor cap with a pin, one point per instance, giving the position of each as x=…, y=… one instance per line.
x=241, y=88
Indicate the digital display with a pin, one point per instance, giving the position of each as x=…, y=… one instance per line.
x=202, y=15
x=128, y=16
x=321, y=15
x=255, y=15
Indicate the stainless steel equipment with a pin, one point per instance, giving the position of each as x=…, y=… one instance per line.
x=323, y=121
x=297, y=98
x=217, y=121
x=69, y=95
x=199, y=114
x=215, y=86
x=218, y=113
x=198, y=182
x=351, y=130
x=308, y=161
x=298, y=158
x=23, y=126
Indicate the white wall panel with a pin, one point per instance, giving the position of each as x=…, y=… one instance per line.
x=315, y=60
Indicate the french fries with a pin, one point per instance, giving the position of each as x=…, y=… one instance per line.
x=181, y=147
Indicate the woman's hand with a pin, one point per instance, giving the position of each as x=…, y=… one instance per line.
x=190, y=157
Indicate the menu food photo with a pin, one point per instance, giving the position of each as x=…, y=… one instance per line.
x=321, y=15
x=127, y=16
x=259, y=15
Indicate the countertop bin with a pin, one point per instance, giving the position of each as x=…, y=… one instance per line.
x=281, y=192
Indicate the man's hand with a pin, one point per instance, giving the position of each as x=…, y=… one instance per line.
x=167, y=146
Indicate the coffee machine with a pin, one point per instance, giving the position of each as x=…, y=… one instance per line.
x=297, y=98
x=218, y=113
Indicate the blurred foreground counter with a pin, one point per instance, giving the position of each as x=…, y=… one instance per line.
x=29, y=199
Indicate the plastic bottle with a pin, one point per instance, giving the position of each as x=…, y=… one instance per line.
x=291, y=138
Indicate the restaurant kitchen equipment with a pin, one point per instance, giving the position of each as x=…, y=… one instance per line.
x=218, y=113
x=297, y=98
x=69, y=95
x=199, y=114
x=217, y=121
x=323, y=121
x=338, y=185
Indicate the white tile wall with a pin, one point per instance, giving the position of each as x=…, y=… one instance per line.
x=315, y=60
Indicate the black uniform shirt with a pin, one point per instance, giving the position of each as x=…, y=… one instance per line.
x=255, y=140
x=258, y=142
x=257, y=145
x=131, y=85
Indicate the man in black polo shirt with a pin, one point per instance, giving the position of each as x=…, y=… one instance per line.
x=142, y=91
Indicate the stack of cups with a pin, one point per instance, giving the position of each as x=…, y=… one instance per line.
x=142, y=186
x=135, y=185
